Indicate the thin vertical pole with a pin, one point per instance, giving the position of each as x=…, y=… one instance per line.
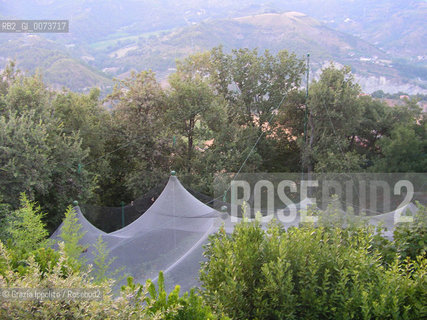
x=306, y=117
x=123, y=213
x=306, y=99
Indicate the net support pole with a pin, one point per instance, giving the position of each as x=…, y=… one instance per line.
x=306, y=100
x=123, y=213
x=306, y=119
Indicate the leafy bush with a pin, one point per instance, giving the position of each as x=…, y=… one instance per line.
x=135, y=301
x=157, y=302
x=24, y=233
x=309, y=273
x=102, y=263
x=45, y=258
x=411, y=238
x=334, y=217
x=54, y=278
x=4, y=210
x=71, y=234
x=23, y=228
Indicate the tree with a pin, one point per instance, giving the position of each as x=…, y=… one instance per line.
x=140, y=148
x=71, y=235
x=401, y=145
x=7, y=77
x=85, y=115
x=377, y=121
x=191, y=101
x=25, y=93
x=25, y=156
x=36, y=156
x=253, y=86
x=334, y=117
x=403, y=151
x=289, y=128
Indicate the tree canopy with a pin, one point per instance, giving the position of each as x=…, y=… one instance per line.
x=217, y=112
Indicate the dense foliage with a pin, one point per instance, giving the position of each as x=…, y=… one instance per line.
x=37, y=155
x=62, y=146
x=134, y=302
x=311, y=273
x=26, y=261
x=411, y=239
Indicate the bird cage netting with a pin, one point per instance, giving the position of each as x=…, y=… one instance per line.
x=169, y=229
x=110, y=219
x=169, y=236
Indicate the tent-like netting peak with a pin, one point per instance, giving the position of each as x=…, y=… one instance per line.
x=170, y=234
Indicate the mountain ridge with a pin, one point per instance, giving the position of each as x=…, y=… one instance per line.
x=295, y=32
x=117, y=37
x=58, y=67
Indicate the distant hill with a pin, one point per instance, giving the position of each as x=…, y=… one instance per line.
x=399, y=26
x=383, y=40
x=58, y=68
x=292, y=31
x=392, y=24
x=396, y=25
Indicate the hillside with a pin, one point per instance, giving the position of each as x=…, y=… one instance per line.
x=399, y=27
x=58, y=67
x=292, y=31
x=383, y=40
x=396, y=25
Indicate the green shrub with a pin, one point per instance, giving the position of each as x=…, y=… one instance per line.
x=4, y=211
x=53, y=278
x=334, y=217
x=102, y=263
x=157, y=303
x=45, y=259
x=71, y=234
x=24, y=229
x=411, y=238
x=308, y=273
x=135, y=301
x=23, y=232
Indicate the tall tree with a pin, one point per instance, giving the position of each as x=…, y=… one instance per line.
x=37, y=157
x=335, y=115
x=404, y=147
x=84, y=114
x=190, y=108
x=404, y=151
x=254, y=86
x=140, y=153
x=377, y=121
